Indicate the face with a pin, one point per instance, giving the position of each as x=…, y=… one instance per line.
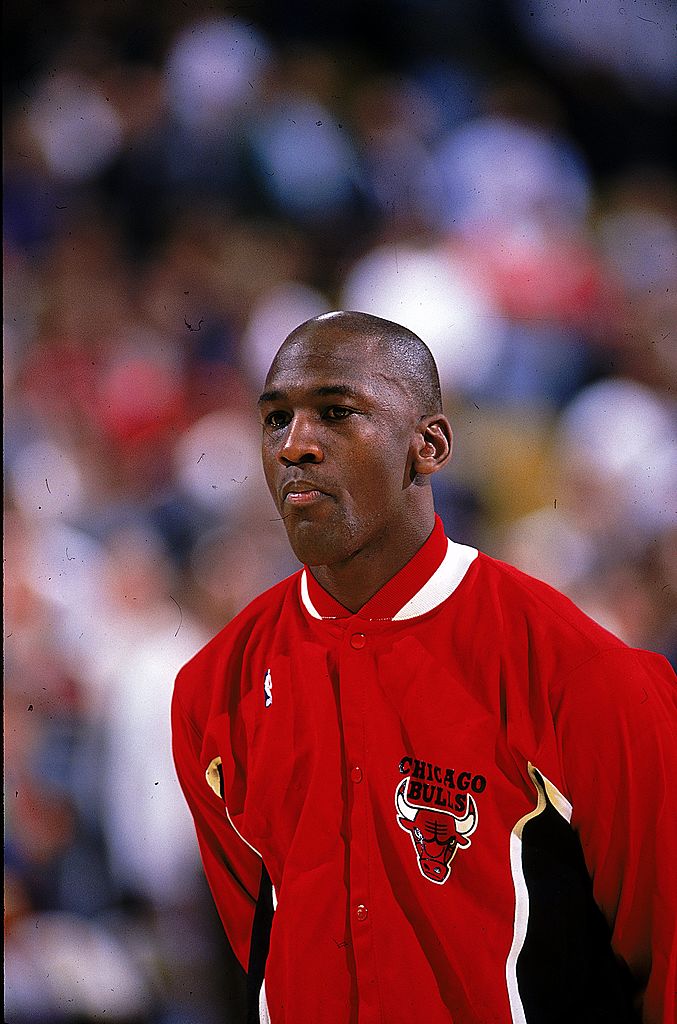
x=337, y=440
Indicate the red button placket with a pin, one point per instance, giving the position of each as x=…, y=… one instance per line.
x=356, y=668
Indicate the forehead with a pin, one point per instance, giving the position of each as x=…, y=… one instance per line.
x=328, y=358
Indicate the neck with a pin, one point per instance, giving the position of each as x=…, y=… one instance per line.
x=354, y=580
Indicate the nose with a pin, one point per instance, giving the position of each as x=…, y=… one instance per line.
x=301, y=443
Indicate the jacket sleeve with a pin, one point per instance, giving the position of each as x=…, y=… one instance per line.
x=617, y=728
x=232, y=867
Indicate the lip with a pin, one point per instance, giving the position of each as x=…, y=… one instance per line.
x=304, y=497
x=302, y=492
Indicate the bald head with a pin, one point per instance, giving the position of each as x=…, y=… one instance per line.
x=402, y=355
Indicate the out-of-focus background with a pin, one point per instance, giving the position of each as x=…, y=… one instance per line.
x=183, y=184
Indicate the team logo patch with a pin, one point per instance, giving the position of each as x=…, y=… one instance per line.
x=436, y=834
x=267, y=689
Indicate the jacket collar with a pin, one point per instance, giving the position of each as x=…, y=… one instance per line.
x=427, y=579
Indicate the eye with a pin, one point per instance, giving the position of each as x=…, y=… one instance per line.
x=338, y=412
x=276, y=420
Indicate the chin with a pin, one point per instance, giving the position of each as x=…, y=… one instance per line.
x=314, y=551
x=315, y=544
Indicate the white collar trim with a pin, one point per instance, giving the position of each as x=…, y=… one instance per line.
x=438, y=588
x=442, y=583
x=308, y=604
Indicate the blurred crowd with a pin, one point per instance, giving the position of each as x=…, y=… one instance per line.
x=184, y=186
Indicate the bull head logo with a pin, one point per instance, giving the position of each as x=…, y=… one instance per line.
x=437, y=835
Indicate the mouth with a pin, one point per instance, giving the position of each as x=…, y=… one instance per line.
x=301, y=492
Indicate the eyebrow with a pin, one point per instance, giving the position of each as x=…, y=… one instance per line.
x=344, y=390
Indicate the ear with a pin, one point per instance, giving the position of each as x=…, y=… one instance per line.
x=432, y=445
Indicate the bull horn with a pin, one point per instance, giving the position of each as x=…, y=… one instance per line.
x=468, y=823
x=404, y=809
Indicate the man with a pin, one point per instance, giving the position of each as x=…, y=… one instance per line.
x=461, y=788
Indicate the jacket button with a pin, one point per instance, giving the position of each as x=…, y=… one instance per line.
x=361, y=913
x=358, y=640
x=356, y=774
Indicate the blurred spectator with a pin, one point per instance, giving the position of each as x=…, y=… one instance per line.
x=496, y=172
x=77, y=130
x=607, y=537
x=633, y=44
x=422, y=287
x=279, y=310
x=211, y=66
x=62, y=967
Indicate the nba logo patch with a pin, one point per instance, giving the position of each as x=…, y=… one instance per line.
x=268, y=689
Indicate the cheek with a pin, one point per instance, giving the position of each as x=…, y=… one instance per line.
x=269, y=465
x=268, y=460
x=379, y=482
x=391, y=465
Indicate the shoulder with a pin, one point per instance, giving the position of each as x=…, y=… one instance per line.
x=525, y=597
x=532, y=620
x=221, y=658
x=549, y=618
x=587, y=671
